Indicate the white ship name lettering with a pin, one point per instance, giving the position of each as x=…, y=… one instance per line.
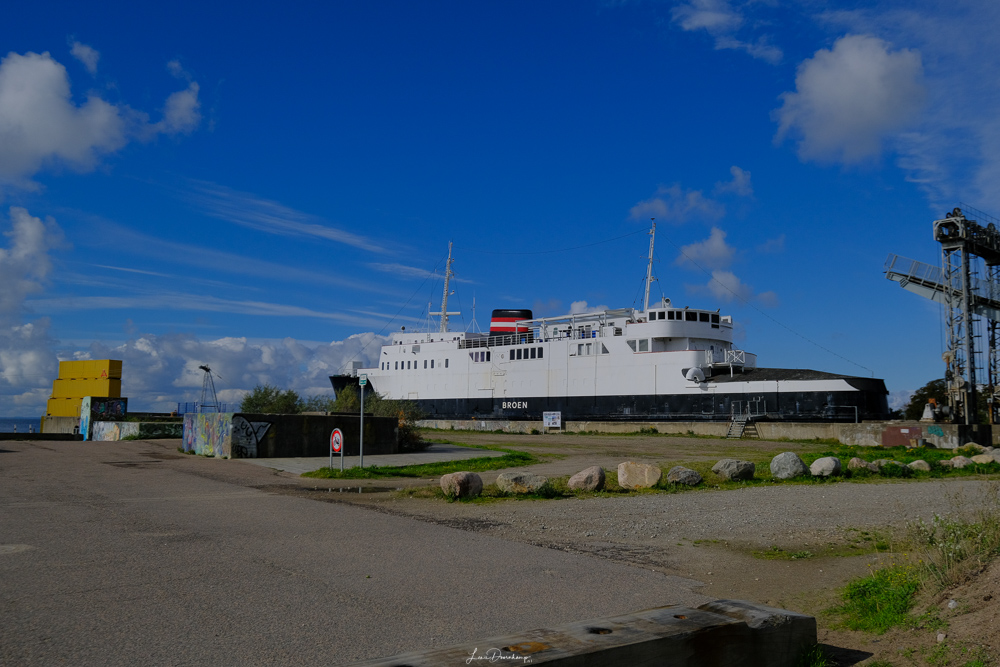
x=515, y=405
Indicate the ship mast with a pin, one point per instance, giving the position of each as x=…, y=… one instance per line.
x=444, y=299
x=649, y=268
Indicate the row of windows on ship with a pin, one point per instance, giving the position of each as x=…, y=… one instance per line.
x=477, y=356
x=686, y=315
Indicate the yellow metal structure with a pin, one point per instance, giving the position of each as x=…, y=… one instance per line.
x=87, y=377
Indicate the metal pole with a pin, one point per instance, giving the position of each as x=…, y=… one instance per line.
x=361, y=447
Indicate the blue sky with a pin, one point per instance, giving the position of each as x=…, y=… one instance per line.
x=268, y=189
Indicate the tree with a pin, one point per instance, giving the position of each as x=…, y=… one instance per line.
x=935, y=389
x=406, y=412
x=267, y=399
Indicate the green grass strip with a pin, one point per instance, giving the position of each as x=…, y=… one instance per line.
x=880, y=601
x=509, y=460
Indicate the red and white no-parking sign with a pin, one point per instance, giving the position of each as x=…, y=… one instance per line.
x=336, y=441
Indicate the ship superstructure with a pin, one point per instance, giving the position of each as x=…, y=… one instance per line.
x=662, y=362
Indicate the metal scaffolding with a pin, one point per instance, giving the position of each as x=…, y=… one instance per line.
x=970, y=302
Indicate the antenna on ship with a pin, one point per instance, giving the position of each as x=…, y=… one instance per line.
x=649, y=268
x=448, y=274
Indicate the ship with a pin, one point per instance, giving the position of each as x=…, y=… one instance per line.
x=659, y=363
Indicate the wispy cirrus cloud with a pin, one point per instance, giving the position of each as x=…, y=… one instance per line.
x=249, y=210
x=728, y=27
x=404, y=271
x=676, y=204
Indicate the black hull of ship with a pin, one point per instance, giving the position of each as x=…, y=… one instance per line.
x=866, y=402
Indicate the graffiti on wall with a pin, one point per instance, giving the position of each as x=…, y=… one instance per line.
x=108, y=409
x=246, y=436
x=109, y=431
x=208, y=434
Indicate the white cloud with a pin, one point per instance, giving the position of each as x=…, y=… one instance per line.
x=720, y=20
x=159, y=371
x=41, y=125
x=953, y=154
x=25, y=262
x=712, y=253
x=579, y=307
x=86, y=55
x=248, y=210
x=740, y=185
x=772, y=246
x=675, y=204
x=848, y=99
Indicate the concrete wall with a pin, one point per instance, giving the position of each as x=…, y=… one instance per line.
x=240, y=435
x=722, y=633
x=109, y=431
x=60, y=424
x=865, y=434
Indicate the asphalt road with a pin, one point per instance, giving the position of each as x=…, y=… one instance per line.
x=130, y=553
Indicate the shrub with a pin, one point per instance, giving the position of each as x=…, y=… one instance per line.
x=264, y=399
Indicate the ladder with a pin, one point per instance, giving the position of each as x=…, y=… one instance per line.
x=741, y=427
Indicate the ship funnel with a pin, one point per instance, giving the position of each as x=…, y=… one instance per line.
x=504, y=321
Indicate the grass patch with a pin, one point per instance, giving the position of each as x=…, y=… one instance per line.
x=510, y=459
x=815, y=657
x=777, y=553
x=881, y=600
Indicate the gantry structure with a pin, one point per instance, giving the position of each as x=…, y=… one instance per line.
x=967, y=284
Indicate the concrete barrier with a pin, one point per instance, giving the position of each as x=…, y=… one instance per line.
x=723, y=633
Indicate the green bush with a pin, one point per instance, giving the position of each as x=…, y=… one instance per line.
x=265, y=399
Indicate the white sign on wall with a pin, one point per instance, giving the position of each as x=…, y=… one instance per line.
x=552, y=419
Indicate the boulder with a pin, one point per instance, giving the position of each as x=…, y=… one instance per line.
x=788, y=465
x=632, y=475
x=979, y=449
x=590, y=479
x=520, y=482
x=946, y=463
x=920, y=464
x=462, y=485
x=682, y=475
x=996, y=455
x=860, y=464
x=960, y=461
x=884, y=462
x=984, y=459
x=827, y=466
x=734, y=470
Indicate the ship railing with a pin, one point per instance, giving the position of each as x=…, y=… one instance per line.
x=731, y=358
x=497, y=340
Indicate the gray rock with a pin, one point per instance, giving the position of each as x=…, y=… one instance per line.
x=788, y=465
x=860, y=464
x=682, y=475
x=946, y=463
x=960, y=461
x=979, y=449
x=734, y=470
x=982, y=458
x=996, y=455
x=827, y=466
x=920, y=465
x=520, y=482
x=632, y=475
x=462, y=485
x=590, y=479
x=884, y=462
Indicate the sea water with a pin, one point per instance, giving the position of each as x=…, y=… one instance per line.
x=7, y=424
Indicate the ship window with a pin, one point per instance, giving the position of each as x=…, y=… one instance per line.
x=446, y=363
x=579, y=349
x=691, y=317
x=488, y=355
x=715, y=318
x=540, y=352
x=703, y=317
x=533, y=352
x=604, y=350
x=432, y=363
x=618, y=331
x=644, y=345
x=425, y=363
x=588, y=349
x=397, y=366
x=631, y=344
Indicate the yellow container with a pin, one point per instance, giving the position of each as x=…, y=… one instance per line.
x=63, y=407
x=79, y=388
x=91, y=369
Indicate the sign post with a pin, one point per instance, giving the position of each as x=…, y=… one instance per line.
x=363, y=380
x=337, y=446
